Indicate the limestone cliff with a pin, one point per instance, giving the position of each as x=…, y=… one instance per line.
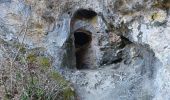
x=85, y=49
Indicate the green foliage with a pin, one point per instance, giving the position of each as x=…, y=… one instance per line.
x=24, y=96
x=44, y=62
x=32, y=90
x=8, y=96
x=57, y=77
x=36, y=93
x=19, y=46
x=22, y=49
x=31, y=58
x=68, y=94
x=18, y=76
x=32, y=80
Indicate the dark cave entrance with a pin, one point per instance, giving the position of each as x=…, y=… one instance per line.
x=81, y=39
x=85, y=13
x=82, y=43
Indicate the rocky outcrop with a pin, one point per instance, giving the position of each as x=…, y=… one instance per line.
x=106, y=49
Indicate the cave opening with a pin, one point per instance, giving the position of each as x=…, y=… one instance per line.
x=85, y=13
x=82, y=43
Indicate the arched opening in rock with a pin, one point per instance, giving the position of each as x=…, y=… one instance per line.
x=85, y=13
x=82, y=43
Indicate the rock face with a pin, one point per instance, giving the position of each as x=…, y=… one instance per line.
x=108, y=49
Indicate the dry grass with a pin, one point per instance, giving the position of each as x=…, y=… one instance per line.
x=27, y=74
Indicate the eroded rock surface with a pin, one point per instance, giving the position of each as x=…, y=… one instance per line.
x=126, y=57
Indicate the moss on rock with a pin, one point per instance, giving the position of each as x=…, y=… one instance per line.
x=43, y=62
x=69, y=94
x=31, y=58
x=163, y=4
x=57, y=77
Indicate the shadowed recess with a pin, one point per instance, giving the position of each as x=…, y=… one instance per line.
x=81, y=38
x=84, y=13
x=82, y=43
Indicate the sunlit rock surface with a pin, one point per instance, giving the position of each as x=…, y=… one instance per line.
x=129, y=54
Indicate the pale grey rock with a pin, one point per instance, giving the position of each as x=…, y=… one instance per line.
x=143, y=72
